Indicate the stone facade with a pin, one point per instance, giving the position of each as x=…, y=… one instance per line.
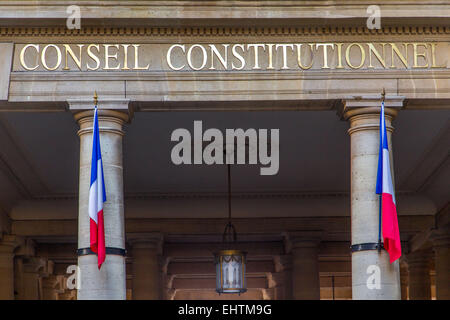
x=155, y=64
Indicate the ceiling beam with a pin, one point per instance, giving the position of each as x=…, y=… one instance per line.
x=189, y=250
x=209, y=268
x=36, y=228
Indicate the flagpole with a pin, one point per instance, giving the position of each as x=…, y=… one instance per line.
x=95, y=98
x=383, y=95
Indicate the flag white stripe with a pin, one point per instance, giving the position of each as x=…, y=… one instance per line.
x=96, y=194
x=387, y=178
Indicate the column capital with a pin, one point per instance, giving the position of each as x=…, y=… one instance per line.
x=110, y=120
x=302, y=239
x=38, y=265
x=146, y=240
x=118, y=108
x=9, y=243
x=274, y=279
x=370, y=105
x=26, y=247
x=440, y=237
x=419, y=258
x=113, y=104
x=282, y=263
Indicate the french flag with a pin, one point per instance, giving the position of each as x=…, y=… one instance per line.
x=97, y=196
x=385, y=189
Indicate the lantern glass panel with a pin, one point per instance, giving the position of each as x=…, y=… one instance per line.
x=230, y=272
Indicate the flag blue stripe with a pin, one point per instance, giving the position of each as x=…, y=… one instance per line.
x=96, y=154
x=383, y=144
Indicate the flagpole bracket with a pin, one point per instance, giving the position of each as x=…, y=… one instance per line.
x=108, y=250
x=366, y=246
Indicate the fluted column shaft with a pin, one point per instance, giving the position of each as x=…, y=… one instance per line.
x=305, y=270
x=441, y=247
x=404, y=280
x=146, y=270
x=30, y=271
x=7, y=246
x=419, y=276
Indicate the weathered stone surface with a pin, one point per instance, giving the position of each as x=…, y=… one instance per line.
x=6, y=52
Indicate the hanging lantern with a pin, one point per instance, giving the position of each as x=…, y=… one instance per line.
x=230, y=264
x=230, y=271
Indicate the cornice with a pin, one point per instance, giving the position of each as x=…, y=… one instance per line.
x=211, y=3
x=219, y=31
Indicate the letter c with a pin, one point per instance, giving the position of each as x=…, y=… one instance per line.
x=22, y=56
x=169, y=61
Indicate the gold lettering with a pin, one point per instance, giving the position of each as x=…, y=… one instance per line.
x=403, y=58
x=237, y=55
x=125, y=57
x=68, y=50
x=339, y=54
x=215, y=52
x=58, y=57
x=418, y=54
x=270, y=48
x=110, y=56
x=196, y=56
x=94, y=57
x=299, y=56
x=169, y=59
x=189, y=56
x=325, y=53
x=347, y=55
x=284, y=48
x=372, y=49
x=255, y=48
x=136, y=59
x=433, y=57
x=22, y=56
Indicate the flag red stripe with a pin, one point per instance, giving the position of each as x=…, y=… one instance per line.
x=101, y=239
x=391, y=233
x=98, y=238
x=94, y=236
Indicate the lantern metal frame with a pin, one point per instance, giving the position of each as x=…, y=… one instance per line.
x=229, y=239
x=220, y=257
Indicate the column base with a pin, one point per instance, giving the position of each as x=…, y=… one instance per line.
x=374, y=267
x=108, y=283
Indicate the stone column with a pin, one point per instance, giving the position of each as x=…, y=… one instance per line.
x=283, y=277
x=419, y=275
x=146, y=267
x=108, y=283
x=305, y=265
x=7, y=246
x=31, y=271
x=441, y=247
x=404, y=279
x=52, y=286
x=167, y=292
x=364, y=117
